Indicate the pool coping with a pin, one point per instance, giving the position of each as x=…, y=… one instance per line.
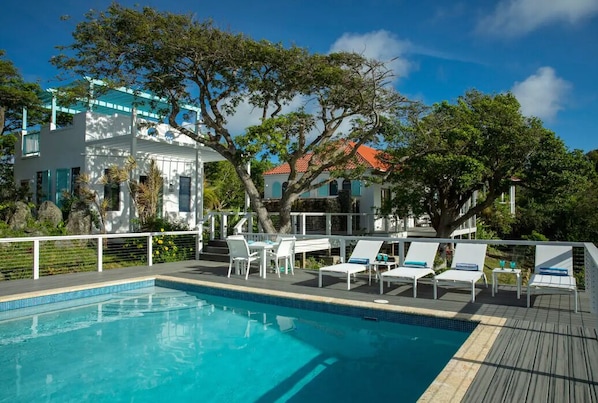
x=452, y=382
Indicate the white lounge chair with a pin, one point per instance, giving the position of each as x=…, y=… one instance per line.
x=466, y=269
x=418, y=263
x=361, y=259
x=553, y=272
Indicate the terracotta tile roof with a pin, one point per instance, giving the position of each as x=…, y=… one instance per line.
x=365, y=155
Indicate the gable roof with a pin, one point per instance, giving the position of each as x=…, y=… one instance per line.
x=365, y=155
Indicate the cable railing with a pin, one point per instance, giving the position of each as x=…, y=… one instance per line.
x=35, y=257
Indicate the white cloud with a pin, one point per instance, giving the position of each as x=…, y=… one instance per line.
x=542, y=94
x=380, y=45
x=519, y=17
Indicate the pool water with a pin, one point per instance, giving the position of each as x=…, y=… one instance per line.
x=157, y=344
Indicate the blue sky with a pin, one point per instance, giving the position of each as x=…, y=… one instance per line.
x=544, y=51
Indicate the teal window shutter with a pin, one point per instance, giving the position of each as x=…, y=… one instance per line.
x=355, y=188
x=323, y=191
x=63, y=181
x=276, y=190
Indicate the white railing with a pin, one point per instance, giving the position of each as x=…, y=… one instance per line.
x=219, y=225
x=32, y=257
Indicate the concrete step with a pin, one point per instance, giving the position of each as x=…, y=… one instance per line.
x=214, y=257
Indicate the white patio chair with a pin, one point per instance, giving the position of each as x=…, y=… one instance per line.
x=553, y=272
x=466, y=270
x=239, y=254
x=418, y=263
x=361, y=259
x=284, y=251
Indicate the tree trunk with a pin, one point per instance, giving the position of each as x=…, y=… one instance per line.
x=255, y=200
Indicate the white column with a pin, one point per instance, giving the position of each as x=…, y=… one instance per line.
x=134, y=171
x=247, y=201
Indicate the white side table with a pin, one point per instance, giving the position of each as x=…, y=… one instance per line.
x=388, y=265
x=516, y=272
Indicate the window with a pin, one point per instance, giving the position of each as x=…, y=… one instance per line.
x=111, y=193
x=333, y=188
x=42, y=186
x=75, y=185
x=385, y=196
x=25, y=189
x=285, y=185
x=185, y=194
x=346, y=185
x=276, y=190
x=63, y=184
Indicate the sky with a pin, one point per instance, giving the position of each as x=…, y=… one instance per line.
x=544, y=51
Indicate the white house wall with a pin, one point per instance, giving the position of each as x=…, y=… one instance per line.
x=95, y=142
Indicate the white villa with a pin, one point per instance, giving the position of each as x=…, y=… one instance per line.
x=368, y=196
x=106, y=130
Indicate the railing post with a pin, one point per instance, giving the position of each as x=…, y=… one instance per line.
x=36, y=259
x=223, y=226
x=198, y=244
x=303, y=224
x=100, y=253
x=212, y=227
x=328, y=224
x=401, y=252
x=150, y=252
x=350, y=224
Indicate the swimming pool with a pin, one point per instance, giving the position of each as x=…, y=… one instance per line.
x=156, y=344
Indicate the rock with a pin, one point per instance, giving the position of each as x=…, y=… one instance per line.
x=18, y=220
x=78, y=223
x=49, y=212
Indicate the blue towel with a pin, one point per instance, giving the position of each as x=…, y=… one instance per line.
x=466, y=266
x=413, y=263
x=554, y=271
x=357, y=260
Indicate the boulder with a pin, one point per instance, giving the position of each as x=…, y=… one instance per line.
x=78, y=222
x=49, y=212
x=18, y=220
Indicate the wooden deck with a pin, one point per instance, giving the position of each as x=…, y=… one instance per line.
x=546, y=353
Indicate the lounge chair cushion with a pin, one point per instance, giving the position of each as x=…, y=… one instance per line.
x=356, y=260
x=466, y=266
x=413, y=263
x=553, y=271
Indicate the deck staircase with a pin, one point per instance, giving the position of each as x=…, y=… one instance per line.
x=215, y=250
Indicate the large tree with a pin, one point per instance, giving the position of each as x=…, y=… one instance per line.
x=15, y=95
x=340, y=96
x=445, y=156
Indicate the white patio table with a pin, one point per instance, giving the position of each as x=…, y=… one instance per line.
x=262, y=247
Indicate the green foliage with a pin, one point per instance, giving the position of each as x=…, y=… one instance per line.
x=447, y=154
x=16, y=94
x=169, y=248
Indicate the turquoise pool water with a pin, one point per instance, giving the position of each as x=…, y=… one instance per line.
x=158, y=344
